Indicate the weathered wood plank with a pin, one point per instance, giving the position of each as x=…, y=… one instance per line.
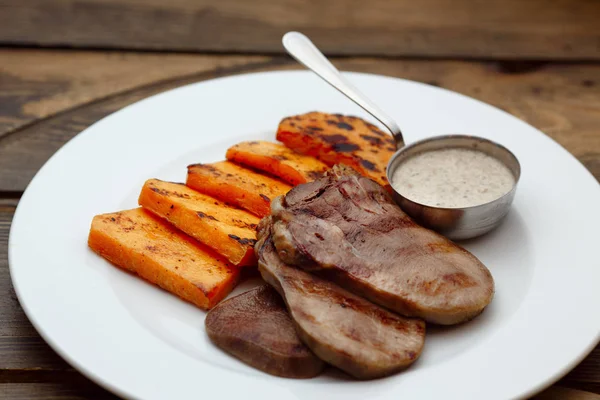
x=38, y=391
x=69, y=391
x=24, y=151
x=586, y=376
x=562, y=393
x=38, y=84
x=560, y=99
x=544, y=29
x=63, y=390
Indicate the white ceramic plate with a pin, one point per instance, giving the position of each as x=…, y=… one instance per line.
x=141, y=342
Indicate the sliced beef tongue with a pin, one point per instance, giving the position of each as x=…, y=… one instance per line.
x=256, y=328
x=347, y=229
x=341, y=328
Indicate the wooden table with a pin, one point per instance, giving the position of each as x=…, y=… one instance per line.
x=65, y=64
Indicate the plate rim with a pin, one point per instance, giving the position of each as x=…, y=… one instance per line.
x=89, y=373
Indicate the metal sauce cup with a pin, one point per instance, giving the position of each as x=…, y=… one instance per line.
x=464, y=222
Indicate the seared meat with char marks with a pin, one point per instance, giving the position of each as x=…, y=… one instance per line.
x=341, y=328
x=347, y=228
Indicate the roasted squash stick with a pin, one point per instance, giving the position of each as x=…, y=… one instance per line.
x=338, y=139
x=236, y=185
x=144, y=244
x=229, y=231
x=277, y=160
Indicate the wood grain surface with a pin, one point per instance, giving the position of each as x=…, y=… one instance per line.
x=66, y=64
x=535, y=29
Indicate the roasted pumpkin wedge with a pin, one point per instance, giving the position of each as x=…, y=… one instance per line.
x=236, y=185
x=277, y=160
x=339, y=139
x=229, y=231
x=144, y=244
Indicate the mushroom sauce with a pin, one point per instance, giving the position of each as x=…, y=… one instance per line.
x=452, y=178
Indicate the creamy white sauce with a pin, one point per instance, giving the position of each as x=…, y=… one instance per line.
x=452, y=178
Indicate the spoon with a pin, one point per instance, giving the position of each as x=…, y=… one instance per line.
x=305, y=52
x=455, y=223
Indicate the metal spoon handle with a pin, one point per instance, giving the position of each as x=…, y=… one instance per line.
x=304, y=51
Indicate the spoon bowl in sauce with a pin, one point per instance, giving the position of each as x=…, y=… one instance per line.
x=461, y=186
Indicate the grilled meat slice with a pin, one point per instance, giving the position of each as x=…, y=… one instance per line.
x=343, y=329
x=256, y=328
x=347, y=229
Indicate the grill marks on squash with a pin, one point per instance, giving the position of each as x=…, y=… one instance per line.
x=277, y=160
x=170, y=193
x=236, y=185
x=244, y=241
x=203, y=215
x=335, y=138
x=374, y=140
x=204, y=218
